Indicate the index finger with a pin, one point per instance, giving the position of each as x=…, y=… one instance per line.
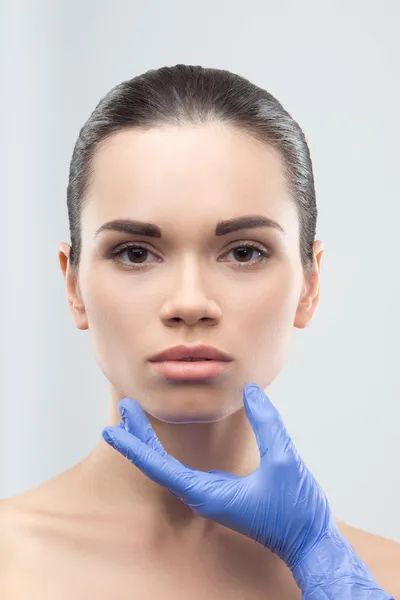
x=162, y=469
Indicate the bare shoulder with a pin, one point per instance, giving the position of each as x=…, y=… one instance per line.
x=7, y=537
x=7, y=516
x=380, y=554
x=12, y=519
x=24, y=518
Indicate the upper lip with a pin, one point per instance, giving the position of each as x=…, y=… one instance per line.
x=200, y=351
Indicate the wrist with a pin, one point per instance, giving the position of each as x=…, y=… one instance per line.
x=333, y=567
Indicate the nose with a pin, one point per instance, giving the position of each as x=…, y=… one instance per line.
x=189, y=301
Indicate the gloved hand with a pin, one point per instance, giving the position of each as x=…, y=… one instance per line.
x=280, y=505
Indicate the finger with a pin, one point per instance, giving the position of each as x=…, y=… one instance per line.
x=219, y=476
x=164, y=470
x=137, y=423
x=264, y=418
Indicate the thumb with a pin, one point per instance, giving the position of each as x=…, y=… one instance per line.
x=264, y=418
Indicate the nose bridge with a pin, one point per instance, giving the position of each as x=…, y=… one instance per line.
x=189, y=277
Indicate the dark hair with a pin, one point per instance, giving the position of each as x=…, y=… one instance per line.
x=193, y=94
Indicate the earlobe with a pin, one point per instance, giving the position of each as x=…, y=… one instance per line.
x=306, y=311
x=311, y=293
x=78, y=312
x=75, y=303
x=79, y=316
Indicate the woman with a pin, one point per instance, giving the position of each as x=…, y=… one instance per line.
x=192, y=216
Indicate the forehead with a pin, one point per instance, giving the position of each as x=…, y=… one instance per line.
x=200, y=173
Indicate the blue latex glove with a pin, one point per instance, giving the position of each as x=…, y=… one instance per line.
x=280, y=505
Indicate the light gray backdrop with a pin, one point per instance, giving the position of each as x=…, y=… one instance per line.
x=335, y=66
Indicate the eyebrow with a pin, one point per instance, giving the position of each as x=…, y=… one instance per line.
x=222, y=228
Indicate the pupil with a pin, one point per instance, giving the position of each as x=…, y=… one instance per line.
x=134, y=251
x=245, y=250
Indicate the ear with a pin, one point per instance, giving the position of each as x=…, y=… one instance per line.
x=310, y=296
x=75, y=303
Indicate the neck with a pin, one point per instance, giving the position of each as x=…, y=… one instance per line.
x=227, y=445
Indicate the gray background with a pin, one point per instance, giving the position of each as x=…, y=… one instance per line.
x=335, y=67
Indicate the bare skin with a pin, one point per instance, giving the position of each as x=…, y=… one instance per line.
x=66, y=552
x=102, y=529
x=61, y=542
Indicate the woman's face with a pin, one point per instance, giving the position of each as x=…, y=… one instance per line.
x=190, y=286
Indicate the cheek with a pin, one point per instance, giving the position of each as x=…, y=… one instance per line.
x=112, y=303
x=267, y=326
x=268, y=304
x=116, y=320
x=268, y=321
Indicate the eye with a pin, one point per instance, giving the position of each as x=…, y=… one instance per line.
x=134, y=251
x=244, y=250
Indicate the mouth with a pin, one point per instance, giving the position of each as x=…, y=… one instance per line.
x=192, y=359
x=190, y=369
x=200, y=352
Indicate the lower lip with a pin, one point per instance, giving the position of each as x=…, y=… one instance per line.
x=187, y=370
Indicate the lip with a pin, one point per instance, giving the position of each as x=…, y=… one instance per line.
x=178, y=353
x=179, y=370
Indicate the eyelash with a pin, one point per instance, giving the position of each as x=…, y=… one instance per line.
x=115, y=254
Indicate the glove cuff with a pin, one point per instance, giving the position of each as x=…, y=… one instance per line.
x=333, y=567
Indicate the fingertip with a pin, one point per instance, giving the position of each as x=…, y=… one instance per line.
x=122, y=404
x=252, y=393
x=252, y=389
x=107, y=436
